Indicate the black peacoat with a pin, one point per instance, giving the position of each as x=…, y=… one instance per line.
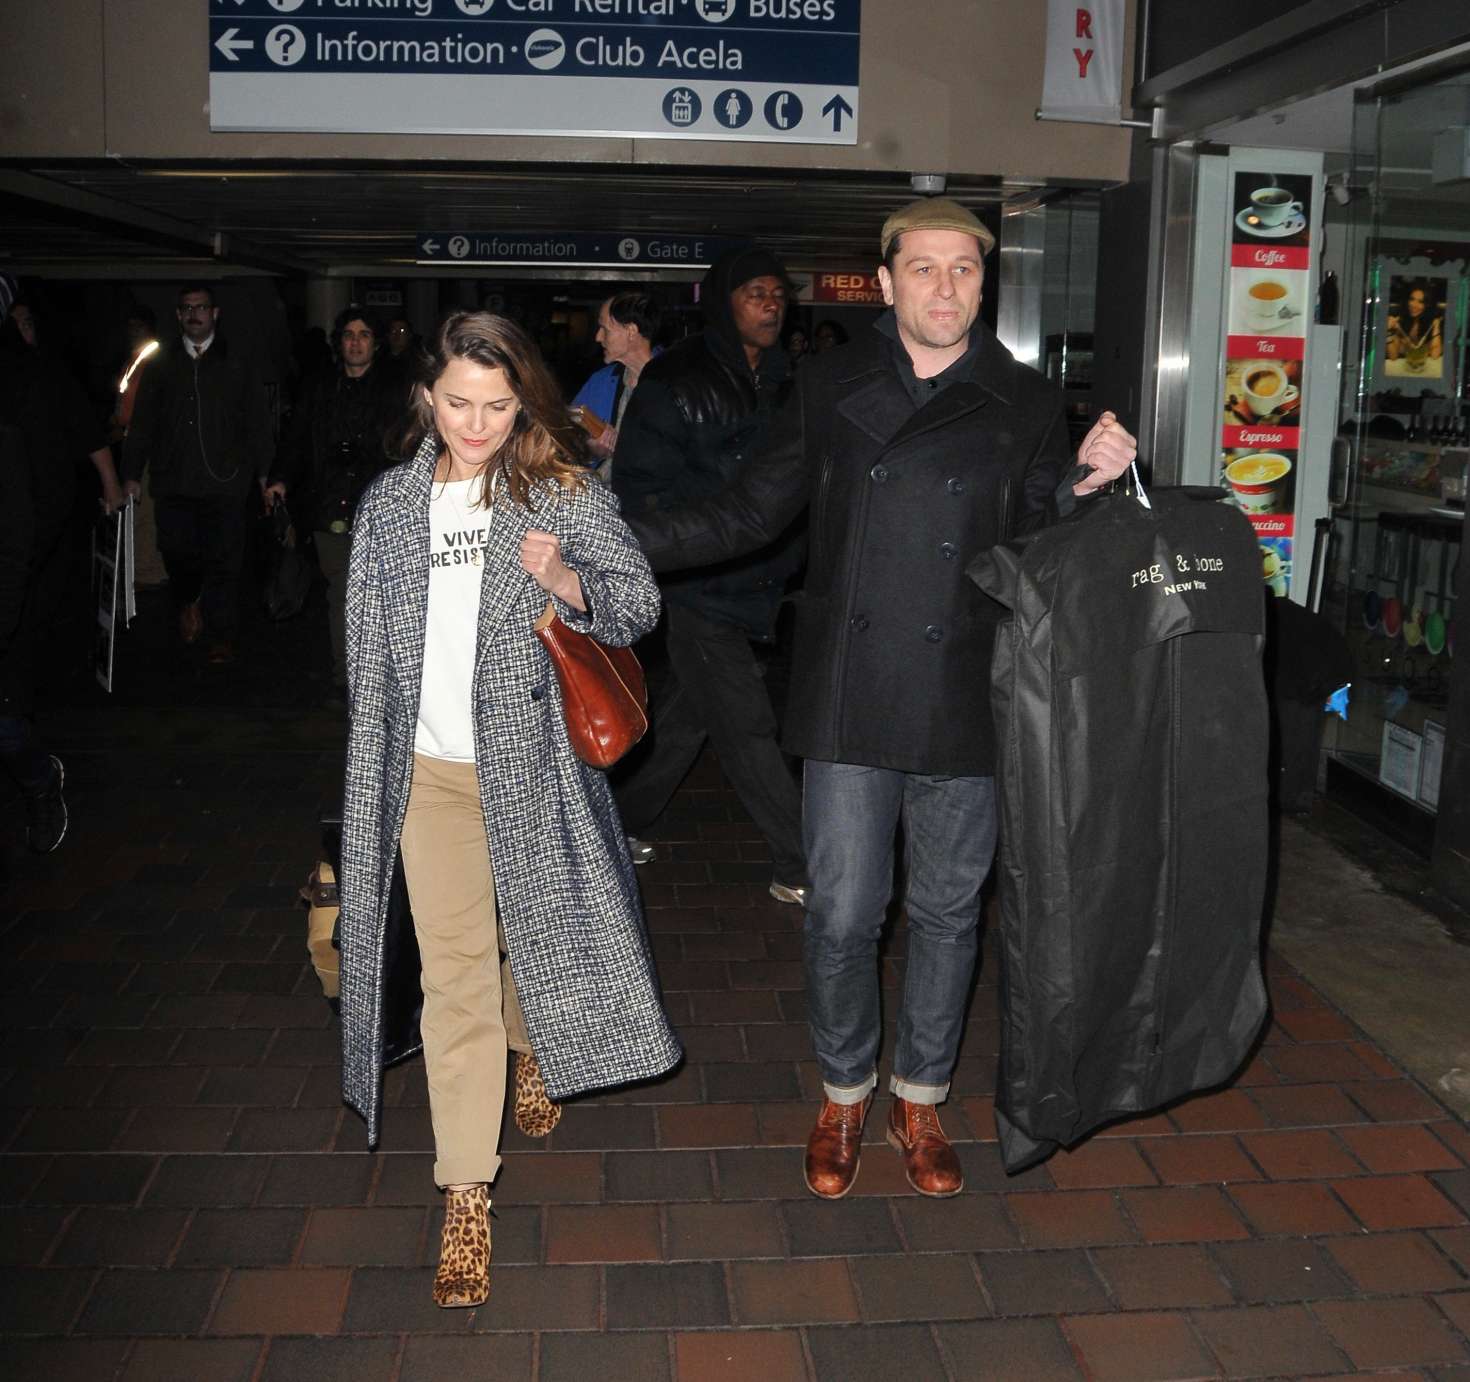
x=893, y=642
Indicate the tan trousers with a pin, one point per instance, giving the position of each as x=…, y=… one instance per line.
x=471, y=1014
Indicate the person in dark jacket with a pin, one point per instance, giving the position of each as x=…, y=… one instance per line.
x=38, y=485
x=700, y=415
x=917, y=446
x=335, y=445
x=23, y=758
x=46, y=426
x=201, y=428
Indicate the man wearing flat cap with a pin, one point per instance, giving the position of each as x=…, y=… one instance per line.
x=917, y=446
x=699, y=416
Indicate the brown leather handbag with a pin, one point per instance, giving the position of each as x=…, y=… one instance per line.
x=603, y=694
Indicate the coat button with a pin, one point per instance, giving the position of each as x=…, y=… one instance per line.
x=933, y=633
x=948, y=551
x=858, y=624
x=955, y=485
x=879, y=473
x=537, y=692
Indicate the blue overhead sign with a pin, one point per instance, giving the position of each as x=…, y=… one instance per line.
x=608, y=249
x=773, y=70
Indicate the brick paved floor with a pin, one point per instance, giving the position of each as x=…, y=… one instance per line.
x=185, y=1197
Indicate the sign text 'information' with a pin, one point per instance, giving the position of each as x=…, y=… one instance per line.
x=783, y=71
x=570, y=249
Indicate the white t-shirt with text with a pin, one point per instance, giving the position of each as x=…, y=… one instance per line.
x=458, y=532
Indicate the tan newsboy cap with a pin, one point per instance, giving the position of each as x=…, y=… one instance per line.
x=936, y=213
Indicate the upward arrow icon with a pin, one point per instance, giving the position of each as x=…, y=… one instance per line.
x=837, y=108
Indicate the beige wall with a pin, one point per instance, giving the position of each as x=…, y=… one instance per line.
x=51, y=80
x=947, y=85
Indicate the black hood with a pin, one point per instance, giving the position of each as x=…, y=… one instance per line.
x=725, y=275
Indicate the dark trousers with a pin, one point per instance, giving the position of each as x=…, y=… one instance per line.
x=332, y=551
x=202, y=540
x=853, y=813
x=715, y=691
x=22, y=758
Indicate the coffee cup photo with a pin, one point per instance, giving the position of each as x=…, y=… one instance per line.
x=1259, y=481
x=1274, y=206
x=1267, y=388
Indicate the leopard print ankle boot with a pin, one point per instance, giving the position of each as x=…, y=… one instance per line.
x=463, y=1278
x=536, y=1115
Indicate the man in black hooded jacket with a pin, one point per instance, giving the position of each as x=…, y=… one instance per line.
x=701, y=413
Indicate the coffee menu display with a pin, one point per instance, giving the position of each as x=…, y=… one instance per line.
x=1269, y=305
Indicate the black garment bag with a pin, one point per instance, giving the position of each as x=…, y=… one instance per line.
x=1131, y=721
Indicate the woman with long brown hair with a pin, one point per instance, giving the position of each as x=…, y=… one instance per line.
x=525, y=912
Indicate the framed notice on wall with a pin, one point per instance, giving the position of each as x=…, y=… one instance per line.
x=1419, y=294
x=1269, y=296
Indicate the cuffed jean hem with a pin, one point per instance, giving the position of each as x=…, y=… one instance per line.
x=918, y=1093
x=850, y=1093
x=466, y=1171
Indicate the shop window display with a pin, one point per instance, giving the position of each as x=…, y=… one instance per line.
x=1398, y=516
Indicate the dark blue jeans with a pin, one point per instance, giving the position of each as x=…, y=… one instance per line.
x=851, y=815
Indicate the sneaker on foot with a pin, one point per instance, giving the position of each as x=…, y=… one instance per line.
x=783, y=892
x=641, y=850
x=46, y=812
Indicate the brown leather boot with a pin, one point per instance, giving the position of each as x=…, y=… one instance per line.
x=928, y=1159
x=463, y=1278
x=834, y=1149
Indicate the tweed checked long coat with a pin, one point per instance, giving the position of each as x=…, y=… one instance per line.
x=565, y=890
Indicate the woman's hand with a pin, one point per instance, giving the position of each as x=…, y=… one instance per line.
x=541, y=559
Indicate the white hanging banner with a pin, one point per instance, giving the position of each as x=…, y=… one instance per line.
x=1084, y=60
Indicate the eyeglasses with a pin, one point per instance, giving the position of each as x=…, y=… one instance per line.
x=195, y=309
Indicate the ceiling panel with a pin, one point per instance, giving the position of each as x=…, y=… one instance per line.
x=315, y=217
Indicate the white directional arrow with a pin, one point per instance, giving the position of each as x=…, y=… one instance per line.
x=231, y=46
x=431, y=247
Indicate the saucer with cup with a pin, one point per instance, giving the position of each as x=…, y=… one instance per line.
x=1273, y=212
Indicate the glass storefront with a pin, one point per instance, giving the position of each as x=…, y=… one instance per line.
x=1401, y=212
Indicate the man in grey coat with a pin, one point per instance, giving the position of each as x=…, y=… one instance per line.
x=917, y=446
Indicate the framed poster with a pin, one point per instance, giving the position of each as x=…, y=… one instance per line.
x=1417, y=307
x=1413, y=333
